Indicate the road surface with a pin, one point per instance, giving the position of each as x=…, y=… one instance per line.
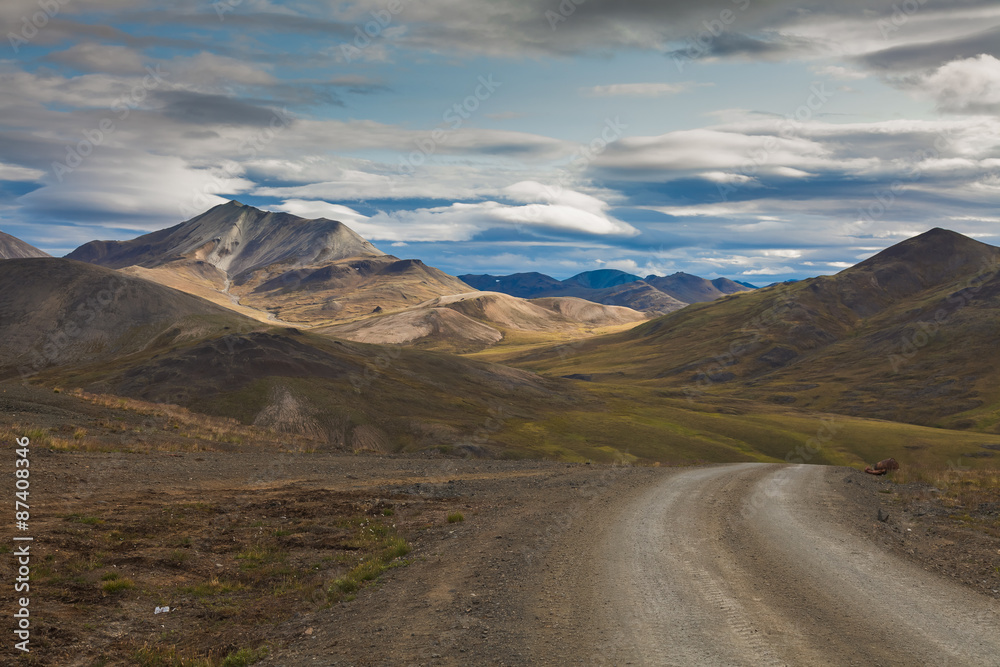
x=749, y=564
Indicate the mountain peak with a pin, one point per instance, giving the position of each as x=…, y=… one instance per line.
x=602, y=278
x=235, y=237
x=938, y=251
x=12, y=247
x=934, y=258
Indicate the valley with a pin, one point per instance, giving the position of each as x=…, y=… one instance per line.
x=287, y=438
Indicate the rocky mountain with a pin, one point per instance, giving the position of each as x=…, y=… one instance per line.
x=653, y=294
x=12, y=247
x=234, y=238
x=274, y=266
x=909, y=334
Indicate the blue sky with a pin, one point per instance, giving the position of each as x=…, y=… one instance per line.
x=758, y=140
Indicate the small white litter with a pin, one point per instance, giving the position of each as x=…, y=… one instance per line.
x=161, y=610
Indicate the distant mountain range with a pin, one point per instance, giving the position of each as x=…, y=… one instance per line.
x=652, y=294
x=279, y=267
x=14, y=248
x=909, y=335
x=321, y=274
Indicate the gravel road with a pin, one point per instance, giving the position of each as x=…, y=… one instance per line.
x=749, y=564
x=571, y=564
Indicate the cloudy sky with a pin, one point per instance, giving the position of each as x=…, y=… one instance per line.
x=755, y=139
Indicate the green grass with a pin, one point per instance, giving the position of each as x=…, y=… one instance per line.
x=456, y=517
x=86, y=520
x=259, y=555
x=661, y=427
x=117, y=585
x=168, y=656
x=244, y=657
x=38, y=436
x=211, y=588
x=177, y=557
x=383, y=548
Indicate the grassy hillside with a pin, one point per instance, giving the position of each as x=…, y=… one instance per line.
x=909, y=335
x=636, y=424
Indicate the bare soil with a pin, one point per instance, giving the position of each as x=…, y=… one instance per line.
x=246, y=547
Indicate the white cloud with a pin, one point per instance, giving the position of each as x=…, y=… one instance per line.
x=640, y=89
x=462, y=221
x=840, y=73
x=105, y=58
x=319, y=209
x=535, y=192
x=11, y=172
x=769, y=271
x=536, y=207
x=784, y=253
x=134, y=190
x=209, y=69
x=971, y=85
x=771, y=149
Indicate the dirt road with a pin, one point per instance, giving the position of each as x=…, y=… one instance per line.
x=749, y=564
x=553, y=564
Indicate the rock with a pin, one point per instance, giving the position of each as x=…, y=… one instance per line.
x=882, y=516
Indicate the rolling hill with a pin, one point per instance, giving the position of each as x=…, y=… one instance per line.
x=274, y=266
x=12, y=247
x=907, y=335
x=70, y=325
x=653, y=294
x=476, y=320
x=75, y=325
x=56, y=312
x=692, y=289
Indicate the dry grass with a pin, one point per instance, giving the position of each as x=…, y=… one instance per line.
x=959, y=488
x=241, y=565
x=144, y=426
x=203, y=427
x=972, y=497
